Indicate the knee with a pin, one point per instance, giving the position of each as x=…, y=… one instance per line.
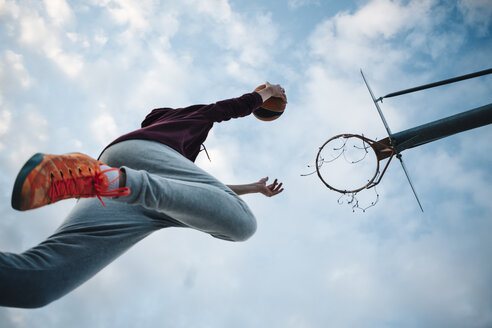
x=239, y=230
x=246, y=229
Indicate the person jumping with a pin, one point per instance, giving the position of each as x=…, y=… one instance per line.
x=144, y=181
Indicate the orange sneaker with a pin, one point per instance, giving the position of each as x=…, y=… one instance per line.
x=46, y=179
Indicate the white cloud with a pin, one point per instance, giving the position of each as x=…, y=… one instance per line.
x=295, y=4
x=80, y=39
x=5, y=118
x=59, y=11
x=224, y=159
x=219, y=10
x=34, y=32
x=381, y=18
x=38, y=35
x=477, y=13
x=70, y=64
x=18, y=72
x=131, y=12
x=23, y=137
x=257, y=42
x=251, y=41
x=241, y=72
x=39, y=126
x=456, y=177
x=100, y=38
x=104, y=128
x=166, y=79
x=365, y=37
x=9, y=8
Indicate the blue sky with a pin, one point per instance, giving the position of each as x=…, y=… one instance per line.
x=75, y=75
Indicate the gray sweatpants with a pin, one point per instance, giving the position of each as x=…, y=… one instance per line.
x=167, y=190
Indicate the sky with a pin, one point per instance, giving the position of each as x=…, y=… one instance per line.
x=74, y=75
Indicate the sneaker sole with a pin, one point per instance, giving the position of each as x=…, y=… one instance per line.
x=21, y=178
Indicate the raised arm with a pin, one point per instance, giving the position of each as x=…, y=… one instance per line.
x=242, y=106
x=258, y=187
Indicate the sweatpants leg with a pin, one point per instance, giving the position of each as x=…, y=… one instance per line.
x=92, y=236
x=175, y=186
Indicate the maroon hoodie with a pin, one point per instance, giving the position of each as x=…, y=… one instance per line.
x=185, y=129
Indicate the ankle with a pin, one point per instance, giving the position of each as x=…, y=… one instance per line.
x=122, y=178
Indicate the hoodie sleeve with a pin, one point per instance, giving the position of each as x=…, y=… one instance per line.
x=233, y=108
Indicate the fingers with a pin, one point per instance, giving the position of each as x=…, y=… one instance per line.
x=277, y=91
x=270, y=190
x=283, y=96
x=275, y=188
x=272, y=185
x=275, y=192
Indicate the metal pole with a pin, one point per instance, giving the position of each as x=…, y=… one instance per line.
x=436, y=84
x=409, y=181
x=432, y=131
x=386, y=126
x=390, y=137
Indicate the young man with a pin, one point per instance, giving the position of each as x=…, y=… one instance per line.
x=148, y=180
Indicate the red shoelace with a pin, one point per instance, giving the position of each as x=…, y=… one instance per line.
x=94, y=185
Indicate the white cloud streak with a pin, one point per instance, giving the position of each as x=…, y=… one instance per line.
x=103, y=128
x=295, y=4
x=133, y=13
x=35, y=33
x=12, y=69
x=477, y=13
x=58, y=11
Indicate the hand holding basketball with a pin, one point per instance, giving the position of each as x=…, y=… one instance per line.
x=274, y=101
x=268, y=91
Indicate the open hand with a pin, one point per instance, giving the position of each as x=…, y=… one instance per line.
x=269, y=190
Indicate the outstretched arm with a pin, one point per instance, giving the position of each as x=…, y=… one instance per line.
x=242, y=106
x=258, y=187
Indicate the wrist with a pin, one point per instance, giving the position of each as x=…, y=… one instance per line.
x=265, y=93
x=243, y=189
x=252, y=188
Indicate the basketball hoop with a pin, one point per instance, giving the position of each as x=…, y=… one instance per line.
x=343, y=146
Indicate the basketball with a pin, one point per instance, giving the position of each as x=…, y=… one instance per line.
x=271, y=109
